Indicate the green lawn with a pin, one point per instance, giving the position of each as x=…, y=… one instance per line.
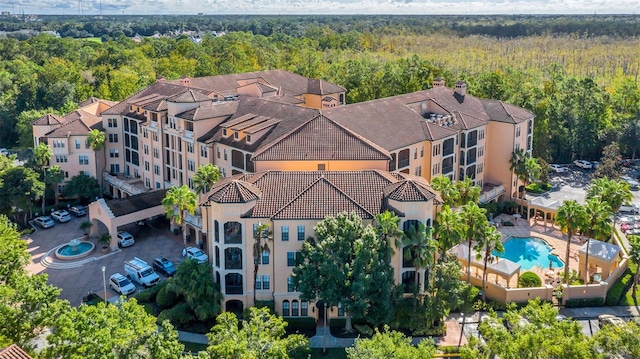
x=332, y=353
x=94, y=39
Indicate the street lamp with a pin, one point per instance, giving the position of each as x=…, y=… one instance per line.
x=104, y=284
x=461, y=330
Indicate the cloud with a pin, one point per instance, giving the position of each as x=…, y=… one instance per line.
x=414, y=7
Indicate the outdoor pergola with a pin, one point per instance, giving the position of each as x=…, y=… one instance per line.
x=604, y=255
x=501, y=267
x=547, y=207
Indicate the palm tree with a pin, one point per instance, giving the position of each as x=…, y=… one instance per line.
x=449, y=230
x=467, y=192
x=41, y=156
x=475, y=222
x=176, y=202
x=634, y=254
x=525, y=168
x=613, y=192
x=597, y=224
x=421, y=250
x=54, y=176
x=205, y=177
x=570, y=218
x=388, y=230
x=96, y=140
x=446, y=188
x=516, y=162
x=262, y=232
x=491, y=240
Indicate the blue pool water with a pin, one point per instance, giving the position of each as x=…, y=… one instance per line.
x=529, y=252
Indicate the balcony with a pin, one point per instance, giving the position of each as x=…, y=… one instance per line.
x=491, y=192
x=188, y=134
x=195, y=221
x=131, y=186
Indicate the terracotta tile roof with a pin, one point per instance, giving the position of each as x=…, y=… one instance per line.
x=408, y=190
x=285, y=99
x=216, y=109
x=315, y=194
x=92, y=100
x=189, y=96
x=467, y=122
x=320, y=139
x=504, y=112
x=124, y=206
x=13, y=352
x=164, y=89
x=234, y=191
x=156, y=106
x=318, y=201
x=78, y=123
x=49, y=120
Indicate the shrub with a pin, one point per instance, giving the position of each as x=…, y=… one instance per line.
x=618, y=289
x=364, y=330
x=266, y=304
x=529, y=280
x=166, y=297
x=177, y=315
x=149, y=295
x=305, y=326
x=585, y=302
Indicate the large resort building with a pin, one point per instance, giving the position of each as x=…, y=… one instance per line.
x=292, y=152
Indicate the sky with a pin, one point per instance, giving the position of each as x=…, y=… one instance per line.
x=318, y=7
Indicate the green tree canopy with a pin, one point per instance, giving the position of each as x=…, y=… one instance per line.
x=390, y=345
x=82, y=186
x=194, y=282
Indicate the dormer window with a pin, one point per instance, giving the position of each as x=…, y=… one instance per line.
x=235, y=135
x=248, y=138
x=224, y=132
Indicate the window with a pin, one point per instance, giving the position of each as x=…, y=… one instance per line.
x=84, y=160
x=392, y=163
x=86, y=144
x=145, y=133
x=266, y=282
x=480, y=151
x=156, y=169
x=248, y=137
x=265, y=256
x=155, y=136
x=301, y=233
x=189, y=147
x=447, y=147
x=340, y=310
x=78, y=144
x=235, y=135
x=480, y=168
x=403, y=158
x=147, y=182
x=58, y=143
x=258, y=282
x=295, y=306
x=224, y=132
x=113, y=137
x=481, y=135
x=218, y=151
x=225, y=154
x=188, y=125
x=418, y=171
x=285, y=233
x=415, y=154
x=436, y=150
x=61, y=159
x=203, y=151
x=115, y=168
x=304, y=309
x=158, y=185
x=321, y=166
x=156, y=153
x=285, y=308
x=291, y=259
x=113, y=153
x=190, y=183
x=421, y=151
x=113, y=122
x=517, y=131
x=290, y=286
x=233, y=283
x=146, y=165
x=191, y=165
x=472, y=139
x=447, y=165
x=145, y=149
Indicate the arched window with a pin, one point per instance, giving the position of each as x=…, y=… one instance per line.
x=285, y=308
x=408, y=281
x=233, y=283
x=216, y=230
x=412, y=223
x=407, y=257
x=217, y=256
x=233, y=258
x=232, y=233
x=304, y=309
x=294, y=308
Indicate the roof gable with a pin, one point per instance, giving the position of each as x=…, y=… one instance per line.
x=189, y=96
x=408, y=191
x=235, y=191
x=49, y=120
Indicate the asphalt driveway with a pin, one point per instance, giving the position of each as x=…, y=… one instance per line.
x=77, y=278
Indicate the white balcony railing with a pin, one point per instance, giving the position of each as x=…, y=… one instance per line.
x=123, y=185
x=491, y=194
x=194, y=220
x=188, y=134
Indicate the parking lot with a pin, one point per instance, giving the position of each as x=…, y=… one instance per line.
x=75, y=280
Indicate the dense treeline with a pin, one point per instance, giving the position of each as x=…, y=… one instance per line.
x=583, y=90
x=509, y=26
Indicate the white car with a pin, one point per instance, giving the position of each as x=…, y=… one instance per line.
x=61, y=216
x=44, y=222
x=121, y=284
x=584, y=164
x=557, y=168
x=4, y=151
x=195, y=253
x=125, y=239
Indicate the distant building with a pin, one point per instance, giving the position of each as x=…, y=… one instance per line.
x=13, y=352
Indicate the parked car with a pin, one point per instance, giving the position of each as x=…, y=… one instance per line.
x=584, y=164
x=595, y=164
x=4, y=152
x=195, y=253
x=140, y=272
x=633, y=184
x=125, y=239
x=61, y=216
x=557, y=168
x=164, y=266
x=629, y=208
x=78, y=210
x=609, y=319
x=44, y=222
x=121, y=284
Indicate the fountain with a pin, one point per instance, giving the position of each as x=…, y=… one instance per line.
x=76, y=248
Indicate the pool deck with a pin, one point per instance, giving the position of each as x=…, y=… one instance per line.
x=552, y=235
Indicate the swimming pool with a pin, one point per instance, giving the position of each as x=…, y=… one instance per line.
x=529, y=252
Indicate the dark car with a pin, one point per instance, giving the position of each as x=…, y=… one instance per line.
x=164, y=266
x=78, y=211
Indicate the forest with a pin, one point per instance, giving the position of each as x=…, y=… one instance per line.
x=577, y=74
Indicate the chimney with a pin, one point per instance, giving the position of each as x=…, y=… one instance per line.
x=461, y=88
x=185, y=81
x=438, y=82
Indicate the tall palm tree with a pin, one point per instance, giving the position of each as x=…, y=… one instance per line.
x=475, y=222
x=597, y=224
x=41, y=156
x=176, y=202
x=525, y=168
x=97, y=140
x=262, y=232
x=491, y=240
x=422, y=250
x=446, y=188
x=449, y=230
x=54, y=176
x=467, y=192
x=613, y=192
x=634, y=254
x=388, y=231
x=205, y=177
x=516, y=162
x=570, y=218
